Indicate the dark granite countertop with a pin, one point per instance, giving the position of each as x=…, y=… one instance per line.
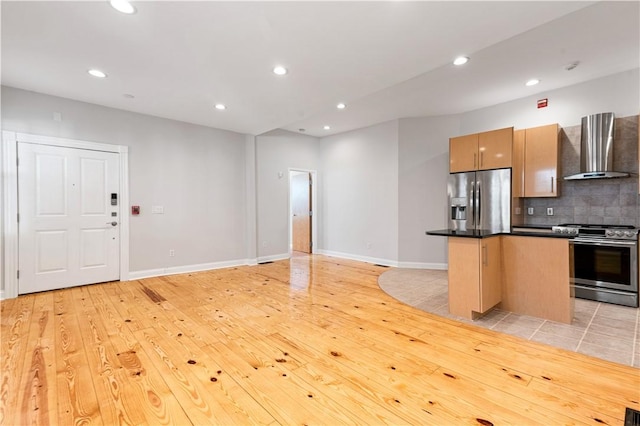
x=523, y=231
x=468, y=234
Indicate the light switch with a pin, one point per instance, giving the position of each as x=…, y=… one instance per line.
x=157, y=209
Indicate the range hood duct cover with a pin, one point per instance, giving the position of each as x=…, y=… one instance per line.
x=596, y=148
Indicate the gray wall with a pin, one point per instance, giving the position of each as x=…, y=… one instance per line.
x=197, y=173
x=276, y=153
x=423, y=170
x=360, y=193
x=618, y=93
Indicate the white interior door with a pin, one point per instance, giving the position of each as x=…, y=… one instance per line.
x=68, y=227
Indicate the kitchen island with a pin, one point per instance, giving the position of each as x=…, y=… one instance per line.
x=525, y=272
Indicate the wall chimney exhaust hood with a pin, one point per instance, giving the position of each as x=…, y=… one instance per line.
x=596, y=148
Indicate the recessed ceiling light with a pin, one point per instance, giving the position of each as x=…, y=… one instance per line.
x=123, y=6
x=460, y=60
x=532, y=82
x=221, y=107
x=341, y=106
x=327, y=127
x=97, y=73
x=280, y=70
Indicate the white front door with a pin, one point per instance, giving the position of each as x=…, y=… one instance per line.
x=68, y=227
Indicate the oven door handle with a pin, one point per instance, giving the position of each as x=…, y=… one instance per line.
x=608, y=243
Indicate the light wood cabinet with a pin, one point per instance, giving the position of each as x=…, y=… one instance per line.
x=536, y=277
x=475, y=275
x=517, y=174
x=495, y=149
x=541, y=155
x=481, y=151
x=463, y=153
x=517, y=177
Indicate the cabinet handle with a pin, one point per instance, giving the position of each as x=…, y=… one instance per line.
x=481, y=159
x=475, y=162
x=485, y=260
x=552, y=191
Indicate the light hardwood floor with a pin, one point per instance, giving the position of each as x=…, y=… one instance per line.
x=312, y=340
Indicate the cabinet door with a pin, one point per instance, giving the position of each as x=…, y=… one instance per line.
x=490, y=273
x=541, y=161
x=464, y=278
x=494, y=149
x=517, y=174
x=475, y=275
x=463, y=153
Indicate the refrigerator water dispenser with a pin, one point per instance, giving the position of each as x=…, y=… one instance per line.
x=459, y=209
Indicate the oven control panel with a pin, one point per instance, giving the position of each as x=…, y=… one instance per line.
x=564, y=230
x=602, y=232
x=623, y=234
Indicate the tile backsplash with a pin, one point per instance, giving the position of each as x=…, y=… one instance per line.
x=593, y=201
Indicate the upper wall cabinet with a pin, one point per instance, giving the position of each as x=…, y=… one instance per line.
x=535, y=162
x=517, y=173
x=481, y=151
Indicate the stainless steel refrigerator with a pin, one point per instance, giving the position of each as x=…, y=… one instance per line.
x=480, y=200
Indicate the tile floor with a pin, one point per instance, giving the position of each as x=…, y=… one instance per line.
x=601, y=330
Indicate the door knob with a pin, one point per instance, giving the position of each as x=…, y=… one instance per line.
x=112, y=223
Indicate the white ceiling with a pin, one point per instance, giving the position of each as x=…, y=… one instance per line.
x=385, y=60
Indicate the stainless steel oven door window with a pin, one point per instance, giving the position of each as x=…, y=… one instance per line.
x=610, y=264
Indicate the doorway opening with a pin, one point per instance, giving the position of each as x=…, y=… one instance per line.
x=302, y=222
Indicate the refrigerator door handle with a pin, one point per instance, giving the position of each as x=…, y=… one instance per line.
x=472, y=200
x=478, y=205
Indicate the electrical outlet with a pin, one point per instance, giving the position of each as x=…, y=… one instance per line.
x=518, y=210
x=549, y=211
x=530, y=211
x=172, y=253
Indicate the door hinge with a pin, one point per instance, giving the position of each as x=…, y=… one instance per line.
x=311, y=244
x=310, y=212
x=17, y=161
x=18, y=218
x=18, y=274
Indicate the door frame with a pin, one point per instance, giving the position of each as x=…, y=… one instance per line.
x=9, y=151
x=314, y=209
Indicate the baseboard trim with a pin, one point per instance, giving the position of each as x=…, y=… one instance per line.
x=137, y=275
x=274, y=258
x=421, y=265
x=367, y=259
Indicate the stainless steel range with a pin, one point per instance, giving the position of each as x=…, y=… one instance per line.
x=605, y=262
